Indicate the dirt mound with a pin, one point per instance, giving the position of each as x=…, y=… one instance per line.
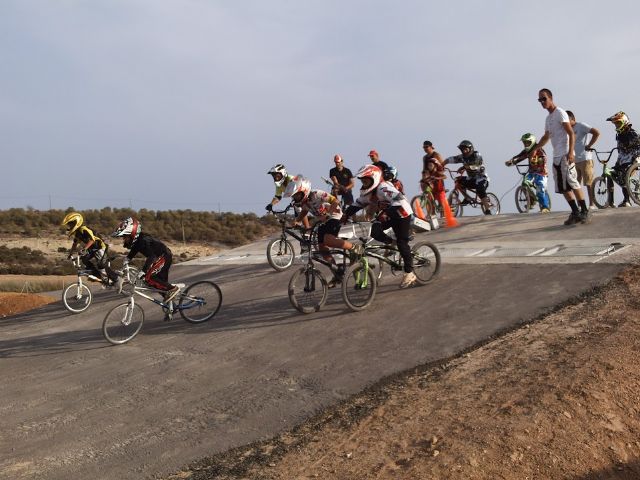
x=13, y=303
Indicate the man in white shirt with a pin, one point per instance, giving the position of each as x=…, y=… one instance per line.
x=558, y=129
x=584, y=158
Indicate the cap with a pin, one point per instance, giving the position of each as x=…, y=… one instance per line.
x=427, y=143
x=373, y=152
x=337, y=158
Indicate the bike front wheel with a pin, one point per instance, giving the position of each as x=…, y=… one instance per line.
x=523, y=199
x=600, y=192
x=280, y=254
x=633, y=182
x=308, y=290
x=426, y=261
x=122, y=323
x=200, y=302
x=359, y=286
x=76, y=297
x=455, y=203
x=495, y=204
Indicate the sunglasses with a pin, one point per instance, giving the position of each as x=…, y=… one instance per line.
x=543, y=99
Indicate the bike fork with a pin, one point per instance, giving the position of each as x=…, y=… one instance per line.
x=310, y=280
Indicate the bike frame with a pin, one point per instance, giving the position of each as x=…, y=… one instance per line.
x=473, y=201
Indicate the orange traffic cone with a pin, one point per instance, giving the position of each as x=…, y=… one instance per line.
x=417, y=210
x=448, y=215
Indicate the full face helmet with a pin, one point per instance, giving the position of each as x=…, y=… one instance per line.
x=129, y=229
x=466, y=147
x=371, y=176
x=298, y=189
x=620, y=120
x=279, y=173
x=73, y=221
x=391, y=173
x=528, y=140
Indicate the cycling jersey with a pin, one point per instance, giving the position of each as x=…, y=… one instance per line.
x=85, y=235
x=158, y=262
x=472, y=164
x=318, y=203
x=537, y=163
x=628, y=145
x=282, y=187
x=385, y=198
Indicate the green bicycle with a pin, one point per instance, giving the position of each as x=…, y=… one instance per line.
x=526, y=194
x=602, y=186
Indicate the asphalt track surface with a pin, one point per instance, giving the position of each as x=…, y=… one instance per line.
x=73, y=406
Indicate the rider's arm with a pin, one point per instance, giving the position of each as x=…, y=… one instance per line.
x=595, y=134
x=454, y=159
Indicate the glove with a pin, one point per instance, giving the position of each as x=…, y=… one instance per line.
x=141, y=274
x=269, y=208
x=508, y=163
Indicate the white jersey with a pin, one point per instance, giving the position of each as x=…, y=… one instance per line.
x=319, y=202
x=559, y=136
x=385, y=197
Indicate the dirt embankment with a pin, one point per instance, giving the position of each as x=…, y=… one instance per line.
x=14, y=303
x=556, y=399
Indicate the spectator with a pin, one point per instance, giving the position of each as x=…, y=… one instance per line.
x=584, y=158
x=343, y=181
x=375, y=160
x=430, y=154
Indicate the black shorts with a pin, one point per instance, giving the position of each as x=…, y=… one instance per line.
x=331, y=226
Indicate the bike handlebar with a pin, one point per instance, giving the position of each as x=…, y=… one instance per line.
x=605, y=161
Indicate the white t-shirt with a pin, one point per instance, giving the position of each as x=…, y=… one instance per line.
x=582, y=130
x=559, y=136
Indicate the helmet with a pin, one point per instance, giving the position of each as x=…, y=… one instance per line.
x=130, y=228
x=619, y=117
x=337, y=158
x=279, y=168
x=391, y=173
x=466, y=144
x=370, y=171
x=529, y=140
x=299, y=184
x=73, y=221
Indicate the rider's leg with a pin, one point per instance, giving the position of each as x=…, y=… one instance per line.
x=157, y=275
x=481, y=185
x=540, y=182
x=402, y=229
x=87, y=260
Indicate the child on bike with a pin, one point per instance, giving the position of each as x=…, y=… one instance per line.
x=156, y=268
x=537, y=168
x=475, y=178
x=280, y=179
x=327, y=209
x=628, y=142
x=94, y=248
x=393, y=211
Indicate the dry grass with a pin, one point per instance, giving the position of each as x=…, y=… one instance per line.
x=34, y=283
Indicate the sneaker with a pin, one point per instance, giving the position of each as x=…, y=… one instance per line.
x=336, y=280
x=593, y=207
x=585, y=217
x=171, y=294
x=610, y=205
x=573, y=219
x=545, y=210
x=408, y=280
x=624, y=203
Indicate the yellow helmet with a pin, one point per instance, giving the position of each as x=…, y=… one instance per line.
x=620, y=120
x=73, y=221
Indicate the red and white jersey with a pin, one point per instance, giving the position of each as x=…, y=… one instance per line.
x=318, y=203
x=386, y=198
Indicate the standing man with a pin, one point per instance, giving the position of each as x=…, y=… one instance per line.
x=342, y=179
x=430, y=154
x=584, y=158
x=558, y=129
x=375, y=160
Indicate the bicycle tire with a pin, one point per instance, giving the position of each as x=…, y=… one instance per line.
x=523, y=201
x=122, y=323
x=308, y=290
x=600, y=192
x=358, y=290
x=200, y=301
x=426, y=262
x=454, y=203
x=633, y=182
x=77, y=297
x=495, y=204
x=280, y=254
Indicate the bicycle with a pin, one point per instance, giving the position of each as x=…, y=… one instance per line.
x=280, y=252
x=633, y=181
x=526, y=194
x=335, y=192
x=602, y=186
x=77, y=297
x=427, y=202
x=197, y=303
x=459, y=198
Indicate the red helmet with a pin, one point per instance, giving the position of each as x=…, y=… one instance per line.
x=369, y=171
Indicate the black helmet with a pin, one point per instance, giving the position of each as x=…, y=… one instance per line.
x=466, y=144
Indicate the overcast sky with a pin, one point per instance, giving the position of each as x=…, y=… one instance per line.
x=167, y=104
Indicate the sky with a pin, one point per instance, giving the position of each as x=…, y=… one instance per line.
x=185, y=104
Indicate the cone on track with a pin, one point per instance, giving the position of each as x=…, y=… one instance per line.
x=417, y=210
x=448, y=215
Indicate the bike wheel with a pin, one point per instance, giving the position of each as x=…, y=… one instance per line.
x=280, y=254
x=308, y=290
x=426, y=261
x=633, y=182
x=455, y=204
x=200, y=302
x=495, y=204
x=76, y=297
x=523, y=200
x=358, y=286
x=600, y=192
x=122, y=323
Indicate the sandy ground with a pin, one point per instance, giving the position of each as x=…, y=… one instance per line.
x=13, y=303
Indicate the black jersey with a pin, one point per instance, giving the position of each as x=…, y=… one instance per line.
x=150, y=248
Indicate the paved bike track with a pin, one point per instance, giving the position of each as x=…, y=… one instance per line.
x=72, y=406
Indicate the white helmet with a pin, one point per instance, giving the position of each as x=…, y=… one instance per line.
x=279, y=168
x=370, y=171
x=130, y=228
x=297, y=185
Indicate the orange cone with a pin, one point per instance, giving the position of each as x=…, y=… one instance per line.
x=448, y=215
x=417, y=210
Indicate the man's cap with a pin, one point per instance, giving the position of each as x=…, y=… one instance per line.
x=373, y=152
x=427, y=143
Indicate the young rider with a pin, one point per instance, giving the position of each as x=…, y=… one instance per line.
x=393, y=211
x=628, y=142
x=327, y=209
x=156, y=268
x=537, y=168
x=280, y=179
x=475, y=178
x=95, y=247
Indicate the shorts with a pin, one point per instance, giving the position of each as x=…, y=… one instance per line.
x=565, y=177
x=331, y=227
x=584, y=172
